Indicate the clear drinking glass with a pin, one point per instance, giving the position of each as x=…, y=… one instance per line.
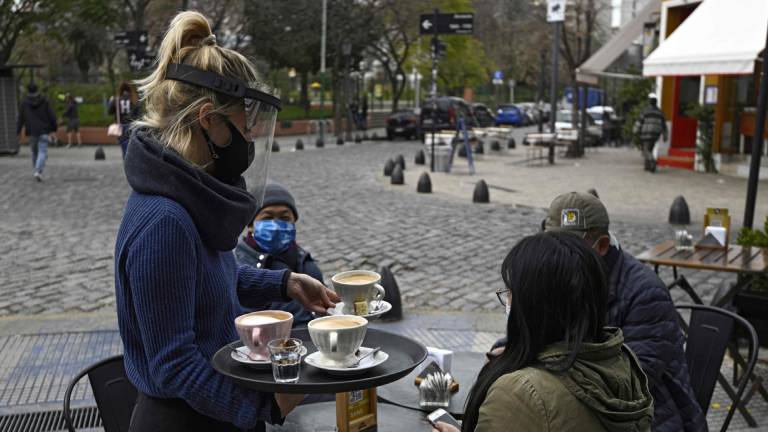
x=285, y=355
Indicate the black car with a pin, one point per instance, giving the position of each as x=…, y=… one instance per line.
x=403, y=123
x=483, y=115
x=449, y=110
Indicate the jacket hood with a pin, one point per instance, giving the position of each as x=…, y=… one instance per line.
x=34, y=100
x=220, y=211
x=607, y=377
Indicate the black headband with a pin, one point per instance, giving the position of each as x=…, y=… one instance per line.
x=218, y=83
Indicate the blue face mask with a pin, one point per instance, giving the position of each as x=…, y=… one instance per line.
x=274, y=236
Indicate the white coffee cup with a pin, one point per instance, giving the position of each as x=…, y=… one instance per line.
x=358, y=286
x=338, y=337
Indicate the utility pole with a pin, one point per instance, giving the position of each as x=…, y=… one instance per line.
x=553, y=86
x=434, y=88
x=322, y=71
x=540, y=96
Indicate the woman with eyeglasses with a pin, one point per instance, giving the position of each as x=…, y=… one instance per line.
x=191, y=161
x=561, y=369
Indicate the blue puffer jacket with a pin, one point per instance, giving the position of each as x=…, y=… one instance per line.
x=641, y=306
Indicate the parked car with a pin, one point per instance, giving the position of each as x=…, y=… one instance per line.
x=483, y=115
x=565, y=130
x=449, y=110
x=599, y=113
x=403, y=123
x=510, y=115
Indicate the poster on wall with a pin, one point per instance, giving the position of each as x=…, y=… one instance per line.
x=710, y=95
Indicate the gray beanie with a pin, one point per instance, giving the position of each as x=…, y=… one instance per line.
x=275, y=194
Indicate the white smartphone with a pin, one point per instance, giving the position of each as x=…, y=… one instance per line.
x=441, y=415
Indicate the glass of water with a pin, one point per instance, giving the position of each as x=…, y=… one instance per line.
x=285, y=355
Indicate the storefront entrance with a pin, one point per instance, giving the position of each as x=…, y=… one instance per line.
x=684, y=127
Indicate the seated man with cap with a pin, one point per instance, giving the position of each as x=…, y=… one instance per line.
x=270, y=243
x=639, y=303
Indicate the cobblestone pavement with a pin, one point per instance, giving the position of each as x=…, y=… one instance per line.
x=57, y=237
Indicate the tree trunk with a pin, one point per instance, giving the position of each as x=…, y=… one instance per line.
x=304, y=93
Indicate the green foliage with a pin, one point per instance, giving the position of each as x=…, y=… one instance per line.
x=705, y=115
x=632, y=98
x=755, y=237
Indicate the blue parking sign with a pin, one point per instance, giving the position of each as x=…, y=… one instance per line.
x=498, y=75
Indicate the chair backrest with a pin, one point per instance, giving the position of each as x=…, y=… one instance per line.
x=115, y=396
x=708, y=335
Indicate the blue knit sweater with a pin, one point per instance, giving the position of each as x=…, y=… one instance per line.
x=178, y=295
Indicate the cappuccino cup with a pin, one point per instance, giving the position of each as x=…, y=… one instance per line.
x=357, y=288
x=338, y=337
x=256, y=329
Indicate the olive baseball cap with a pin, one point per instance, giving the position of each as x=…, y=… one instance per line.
x=579, y=212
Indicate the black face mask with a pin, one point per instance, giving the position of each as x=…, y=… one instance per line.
x=231, y=161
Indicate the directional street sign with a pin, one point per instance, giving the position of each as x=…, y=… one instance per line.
x=140, y=60
x=555, y=10
x=447, y=23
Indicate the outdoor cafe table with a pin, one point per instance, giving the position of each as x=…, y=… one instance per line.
x=318, y=417
x=464, y=369
x=404, y=355
x=733, y=259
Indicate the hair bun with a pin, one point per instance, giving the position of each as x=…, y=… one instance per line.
x=209, y=40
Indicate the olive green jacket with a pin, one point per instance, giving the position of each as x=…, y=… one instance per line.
x=605, y=390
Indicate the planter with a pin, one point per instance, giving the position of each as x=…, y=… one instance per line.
x=752, y=304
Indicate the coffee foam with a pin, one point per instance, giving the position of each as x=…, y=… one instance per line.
x=357, y=279
x=260, y=319
x=336, y=323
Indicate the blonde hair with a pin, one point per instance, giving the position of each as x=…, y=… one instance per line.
x=171, y=107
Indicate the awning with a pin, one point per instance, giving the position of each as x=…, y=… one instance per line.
x=592, y=69
x=719, y=37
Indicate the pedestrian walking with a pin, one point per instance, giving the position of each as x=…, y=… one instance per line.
x=125, y=108
x=648, y=128
x=36, y=117
x=72, y=118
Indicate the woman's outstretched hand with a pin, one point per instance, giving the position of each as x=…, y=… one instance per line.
x=313, y=295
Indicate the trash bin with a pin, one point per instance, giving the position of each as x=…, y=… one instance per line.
x=442, y=157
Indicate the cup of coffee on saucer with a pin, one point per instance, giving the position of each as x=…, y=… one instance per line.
x=337, y=338
x=357, y=289
x=256, y=329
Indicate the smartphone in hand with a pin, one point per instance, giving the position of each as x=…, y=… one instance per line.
x=441, y=415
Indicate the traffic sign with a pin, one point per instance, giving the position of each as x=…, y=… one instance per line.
x=447, y=23
x=555, y=10
x=133, y=39
x=498, y=75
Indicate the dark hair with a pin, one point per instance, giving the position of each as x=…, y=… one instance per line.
x=559, y=294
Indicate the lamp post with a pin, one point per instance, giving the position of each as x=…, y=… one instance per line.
x=346, y=50
x=322, y=71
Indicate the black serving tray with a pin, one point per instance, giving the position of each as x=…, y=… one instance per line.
x=404, y=355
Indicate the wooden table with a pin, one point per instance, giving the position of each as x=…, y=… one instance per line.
x=733, y=259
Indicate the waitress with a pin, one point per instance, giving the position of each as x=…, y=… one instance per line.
x=204, y=137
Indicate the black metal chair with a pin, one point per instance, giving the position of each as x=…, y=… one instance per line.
x=115, y=395
x=709, y=334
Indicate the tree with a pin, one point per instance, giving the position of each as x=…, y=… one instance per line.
x=20, y=16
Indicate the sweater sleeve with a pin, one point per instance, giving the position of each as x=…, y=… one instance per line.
x=256, y=288
x=512, y=400
x=162, y=272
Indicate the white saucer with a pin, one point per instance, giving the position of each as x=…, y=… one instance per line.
x=256, y=364
x=383, y=308
x=316, y=360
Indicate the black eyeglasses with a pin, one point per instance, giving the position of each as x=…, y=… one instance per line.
x=502, y=296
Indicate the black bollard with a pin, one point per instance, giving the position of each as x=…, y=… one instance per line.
x=400, y=160
x=365, y=136
x=358, y=139
x=275, y=147
x=389, y=167
x=99, y=154
x=593, y=192
x=299, y=144
x=375, y=136
x=679, y=213
x=479, y=149
x=397, y=177
x=495, y=145
x=420, y=159
x=481, y=194
x=425, y=184
x=391, y=294
x=511, y=143
x=319, y=143
x=339, y=141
